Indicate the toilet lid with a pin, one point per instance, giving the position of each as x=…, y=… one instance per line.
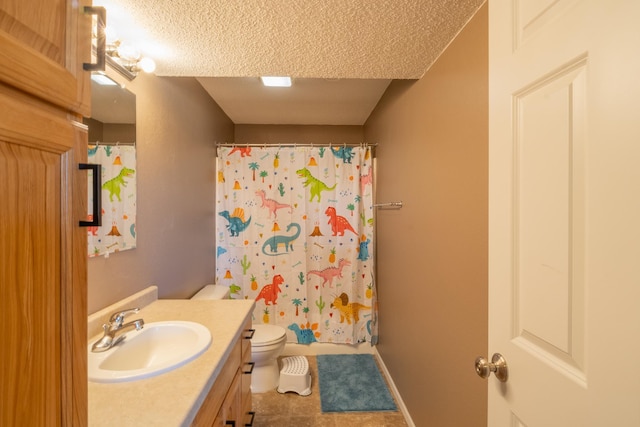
x=267, y=334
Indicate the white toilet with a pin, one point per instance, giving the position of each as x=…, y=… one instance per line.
x=266, y=345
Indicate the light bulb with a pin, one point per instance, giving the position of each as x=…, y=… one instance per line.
x=128, y=52
x=147, y=65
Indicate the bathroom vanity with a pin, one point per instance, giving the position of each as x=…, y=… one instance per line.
x=212, y=390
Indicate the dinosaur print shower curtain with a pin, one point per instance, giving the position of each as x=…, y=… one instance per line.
x=118, y=230
x=294, y=232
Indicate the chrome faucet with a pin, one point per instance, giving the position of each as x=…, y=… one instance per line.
x=114, y=331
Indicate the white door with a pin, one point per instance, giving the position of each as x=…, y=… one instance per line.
x=564, y=212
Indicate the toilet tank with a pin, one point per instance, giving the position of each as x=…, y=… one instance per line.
x=212, y=292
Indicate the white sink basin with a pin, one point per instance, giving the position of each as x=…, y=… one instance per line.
x=157, y=348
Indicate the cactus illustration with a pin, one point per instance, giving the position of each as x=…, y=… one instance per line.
x=321, y=152
x=301, y=278
x=281, y=189
x=320, y=304
x=245, y=263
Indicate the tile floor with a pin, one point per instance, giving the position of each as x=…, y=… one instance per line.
x=292, y=410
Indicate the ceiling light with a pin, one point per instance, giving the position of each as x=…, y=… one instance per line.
x=274, y=81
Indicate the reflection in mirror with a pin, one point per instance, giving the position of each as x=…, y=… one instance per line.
x=113, y=112
x=112, y=138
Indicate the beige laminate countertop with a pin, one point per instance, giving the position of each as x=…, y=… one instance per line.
x=172, y=398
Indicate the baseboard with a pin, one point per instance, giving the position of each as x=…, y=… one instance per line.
x=316, y=348
x=394, y=390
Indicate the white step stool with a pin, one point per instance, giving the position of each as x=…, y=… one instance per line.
x=295, y=376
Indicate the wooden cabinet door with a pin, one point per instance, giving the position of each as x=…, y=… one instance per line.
x=245, y=376
x=231, y=410
x=43, y=272
x=43, y=44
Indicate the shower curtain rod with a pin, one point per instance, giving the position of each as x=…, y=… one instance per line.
x=133, y=143
x=389, y=205
x=228, y=144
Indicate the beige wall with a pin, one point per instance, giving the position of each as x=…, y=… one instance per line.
x=177, y=126
x=432, y=254
x=290, y=134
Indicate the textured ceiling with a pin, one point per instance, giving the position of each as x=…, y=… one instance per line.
x=317, y=39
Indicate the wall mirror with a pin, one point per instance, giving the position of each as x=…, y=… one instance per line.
x=112, y=151
x=113, y=112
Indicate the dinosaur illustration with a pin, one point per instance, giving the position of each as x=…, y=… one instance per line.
x=366, y=179
x=338, y=223
x=281, y=239
x=363, y=253
x=92, y=230
x=348, y=310
x=316, y=186
x=236, y=221
x=305, y=335
x=114, y=185
x=330, y=272
x=244, y=151
x=271, y=204
x=269, y=293
x=344, y=153
x=93, y=149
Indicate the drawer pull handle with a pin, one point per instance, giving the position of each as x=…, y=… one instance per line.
x=251, y=364
x=251, y=333
x=231, y=423
x=253, y=416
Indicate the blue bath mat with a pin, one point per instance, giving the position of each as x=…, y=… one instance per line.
x=352, y=383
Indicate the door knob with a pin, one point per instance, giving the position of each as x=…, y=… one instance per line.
x=498, y=366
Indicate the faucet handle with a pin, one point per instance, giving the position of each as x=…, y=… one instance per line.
x=117, y=318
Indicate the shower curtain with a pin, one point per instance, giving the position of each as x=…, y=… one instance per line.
x=294, y=232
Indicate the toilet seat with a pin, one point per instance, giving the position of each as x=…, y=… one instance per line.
x=267, y=335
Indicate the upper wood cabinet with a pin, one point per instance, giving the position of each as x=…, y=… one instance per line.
x=40, y=53
x=44, y=91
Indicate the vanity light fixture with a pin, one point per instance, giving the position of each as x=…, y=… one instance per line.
x=130, y=58
x=126, y=56
x=276, y=81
